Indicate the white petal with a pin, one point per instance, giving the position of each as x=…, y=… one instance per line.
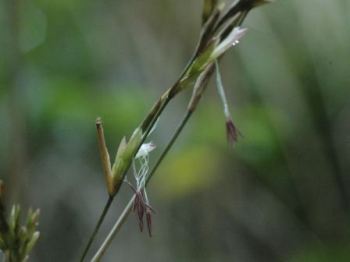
x=232, y=39
x=145, y=149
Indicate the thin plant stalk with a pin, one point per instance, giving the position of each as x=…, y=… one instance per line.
x=214, y=28
x=146, y=124
x=197, y=94
x=123, y=216
x=97, y=227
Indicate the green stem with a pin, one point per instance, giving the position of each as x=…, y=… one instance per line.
x=157, y=110
x=122, y=218
x=198, y=90
x=147, y=124
x=97, y=227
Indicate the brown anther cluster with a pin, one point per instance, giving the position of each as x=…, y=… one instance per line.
x=143, y=209
x=231, y=132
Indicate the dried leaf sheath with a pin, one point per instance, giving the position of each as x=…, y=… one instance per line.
x=106, y=162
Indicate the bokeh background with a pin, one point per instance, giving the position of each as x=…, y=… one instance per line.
x=283, y=192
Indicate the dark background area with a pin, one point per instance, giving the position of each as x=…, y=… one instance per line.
x=282, y=193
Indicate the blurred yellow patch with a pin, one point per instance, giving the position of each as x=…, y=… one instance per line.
x=189, y=171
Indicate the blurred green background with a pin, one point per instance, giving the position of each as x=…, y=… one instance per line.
x=283, y=192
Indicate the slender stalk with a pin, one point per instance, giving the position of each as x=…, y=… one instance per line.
x=147, y=124
x=221, y=91
x=97, y=227
x=123, y=216
x=198, y=90
x=210, y=27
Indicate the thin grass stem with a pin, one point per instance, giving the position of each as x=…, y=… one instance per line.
x=208, y=30
x=198, y=90
x=148, y=124
x=97, y=227
x=123, y=216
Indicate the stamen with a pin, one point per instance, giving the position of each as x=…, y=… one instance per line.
x=231, y=130
x=141, y=205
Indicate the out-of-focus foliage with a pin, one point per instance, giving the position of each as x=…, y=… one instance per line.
x=16, y=240
x=181, y=178
x=282, y=194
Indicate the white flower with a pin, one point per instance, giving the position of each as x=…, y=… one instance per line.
x=145, y=149
x=231, y=40
x=141, y=164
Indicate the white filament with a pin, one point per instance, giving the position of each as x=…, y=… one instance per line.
x=221, y=91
